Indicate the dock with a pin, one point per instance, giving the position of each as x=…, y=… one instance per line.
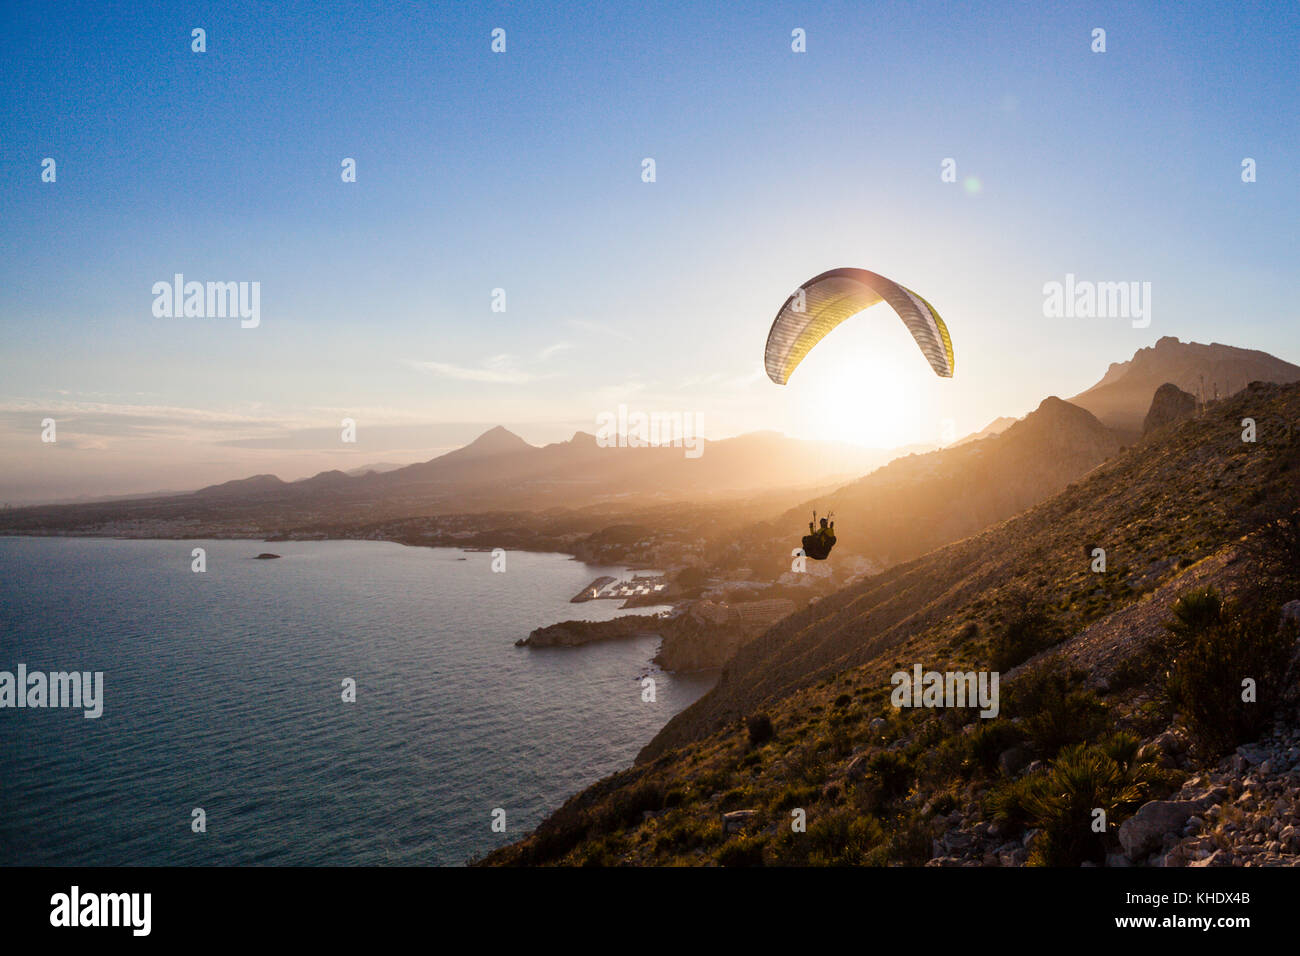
x=591, y=591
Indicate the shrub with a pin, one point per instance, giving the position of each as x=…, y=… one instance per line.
x=796, y=796
x=1062, y=799
x=1194, y=613
x=1027, y=631
x=1205, y=683
x=809, y=765
x=1056, y=706
x=909, y=843
x=742, y=851
x=843, y=839
x=892, y=773
x=1275, y=547
x=760, y=729
x=625, y=806
x=990, y=739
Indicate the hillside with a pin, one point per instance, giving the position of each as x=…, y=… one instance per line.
x=1123, y=395
x=918, y=503
x=801, y=718
x=995, y=427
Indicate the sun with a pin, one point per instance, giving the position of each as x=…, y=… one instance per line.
x=866, y=384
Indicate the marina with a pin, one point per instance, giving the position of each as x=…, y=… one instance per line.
x=620, y=589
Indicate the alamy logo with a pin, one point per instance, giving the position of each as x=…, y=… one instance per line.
x=924, y=688
x=1098, y=300
x=55, y=689
x=208, y=300
x=75, y=908
x=624, y=429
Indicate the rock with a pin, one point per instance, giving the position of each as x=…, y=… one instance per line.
x=1289, y=837
x=957, y=840
x=577, y=633
x=1169, y=404
x=1155, y=819
x=1217, y=858
x=877, y=724
x=267, y=556
x=1016, y=857
x=1013, y=760
x=1291, y=611
x=1171, y=741
x=1252, y=754
x=736, y=820
x=1164, y=749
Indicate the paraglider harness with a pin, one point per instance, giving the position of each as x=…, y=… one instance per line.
x=818, y=544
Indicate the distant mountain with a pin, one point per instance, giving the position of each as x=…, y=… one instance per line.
x=1123, y=396
x=995, y=427
x=498, y=471
x=256, y=485
x=494, y=441
x=921, y=502
x=378, y=468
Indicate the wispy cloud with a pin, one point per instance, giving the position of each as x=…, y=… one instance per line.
x=504, y=369
x=498, y=375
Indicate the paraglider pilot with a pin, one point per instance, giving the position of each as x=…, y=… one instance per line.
x=818, y=542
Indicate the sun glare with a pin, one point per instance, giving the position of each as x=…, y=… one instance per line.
x=865, y=383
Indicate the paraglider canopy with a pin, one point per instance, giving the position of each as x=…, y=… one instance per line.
x=823, y=302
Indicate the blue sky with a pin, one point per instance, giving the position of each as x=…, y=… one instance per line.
x=521, y=171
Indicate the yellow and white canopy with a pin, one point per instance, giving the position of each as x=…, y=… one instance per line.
x=825, y=301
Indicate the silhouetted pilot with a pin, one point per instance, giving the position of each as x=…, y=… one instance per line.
x=818, y=542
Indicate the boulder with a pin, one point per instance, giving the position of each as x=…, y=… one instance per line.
x=1217, y=858
x=1291, y=612
x=1170, y=404
x=736, y=820
x=1013, y=760
x=1146, y=829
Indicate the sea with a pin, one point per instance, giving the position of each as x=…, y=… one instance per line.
x=225, y=737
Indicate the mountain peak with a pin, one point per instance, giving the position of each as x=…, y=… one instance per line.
x=1123, y=397
x=496, y=441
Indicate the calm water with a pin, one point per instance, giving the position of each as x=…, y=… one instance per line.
x=222, y=691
